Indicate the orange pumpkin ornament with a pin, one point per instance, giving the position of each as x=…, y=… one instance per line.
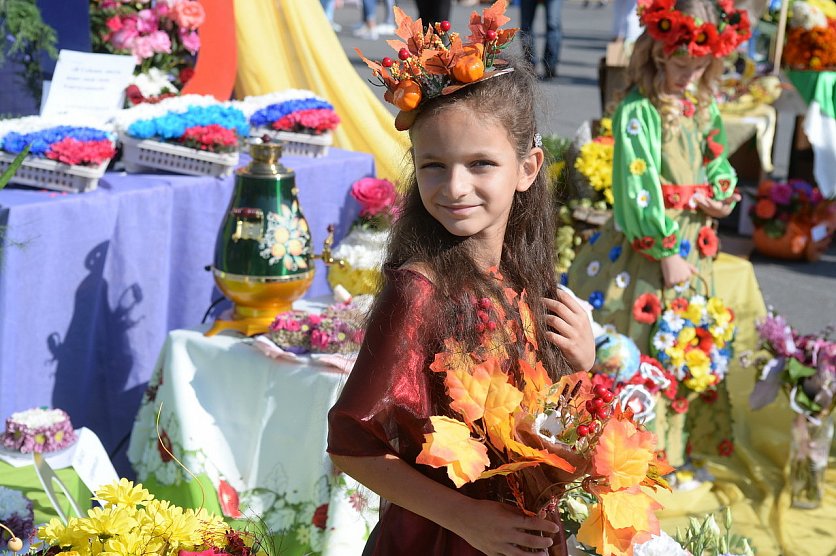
x=469, y=69
x=407, y=95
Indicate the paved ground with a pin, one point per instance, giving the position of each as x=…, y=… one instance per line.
x=805, y=293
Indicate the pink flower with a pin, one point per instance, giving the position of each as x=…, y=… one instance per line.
x=146, y=22
x=189, y=15
x=127, y=35
x=190, y=40
x=114, y=23
x=84, y=153
x=162, y=9
x=376, y=196
x=142, y=48
x=781, y=193
x=160, y=42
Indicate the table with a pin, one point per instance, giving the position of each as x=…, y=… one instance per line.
x=91, y=283
x=253, y=431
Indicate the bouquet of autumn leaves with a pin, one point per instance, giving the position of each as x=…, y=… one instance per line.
x=547, y=438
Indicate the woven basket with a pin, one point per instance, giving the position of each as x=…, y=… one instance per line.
x=298, y=144
x=140, y=154
x=50, y=174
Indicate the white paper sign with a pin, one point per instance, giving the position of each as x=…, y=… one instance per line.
x=88, y=84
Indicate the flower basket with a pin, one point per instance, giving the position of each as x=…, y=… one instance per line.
x=141, y=154
x=792, y=245
x=299, y=144
x=50, y=174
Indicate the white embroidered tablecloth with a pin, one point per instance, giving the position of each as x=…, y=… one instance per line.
x=253, y=430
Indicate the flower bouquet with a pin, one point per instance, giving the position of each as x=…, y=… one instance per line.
x=298, y=118
x=132, y=521
x=792, y=220
x=545, y=438
x=162, y=36
x=811, y=39
x=191, y=134
x=364, y=247
x=804, y=367
x=61, y=157
x=595, y=160
x=692, y=339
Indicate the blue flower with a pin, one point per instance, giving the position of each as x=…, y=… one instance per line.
x=596, y=299
x=684, y=248
x=175, y=124
x=266, y=116
x=564, y=279
x=615, y=252
x=41, y=141
x=594, y=237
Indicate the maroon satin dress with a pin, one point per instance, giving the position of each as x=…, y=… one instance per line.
x=385, y=408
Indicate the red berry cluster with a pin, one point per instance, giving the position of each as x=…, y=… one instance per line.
x=485, y=315
x=599, y=408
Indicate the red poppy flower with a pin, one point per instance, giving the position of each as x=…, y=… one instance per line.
x=673, y=200
x=707, y=242
x=680, y=405
x=647, y=308
x=704, y=339
x=709, y=396
x=679, y=305
x=643, y=243
x=669, y=242
x=726, y=447
x=704, y=41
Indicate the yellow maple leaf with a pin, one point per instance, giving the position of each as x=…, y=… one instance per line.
x=623, y=454
x=468, y=390
x=454, y=356
x=537, y=383
x=502, y=399
x=630, y=507
x=597, y=532
x=452, y=446
x=527, y=318
x=508, y=468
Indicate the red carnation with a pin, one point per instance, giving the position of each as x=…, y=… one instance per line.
x=680, y=405
x=320, y=516
x=647, y=308
x=643, y=243
x=725, y=448
x=81, y=153
x=707, y=241
x=134, y=95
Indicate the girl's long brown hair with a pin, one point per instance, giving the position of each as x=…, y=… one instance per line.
x=527, y=255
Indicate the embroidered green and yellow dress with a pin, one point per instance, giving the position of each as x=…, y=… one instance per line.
x=655, y=177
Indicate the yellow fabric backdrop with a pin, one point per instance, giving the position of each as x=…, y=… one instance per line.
x=752, y=481
x=289, y=44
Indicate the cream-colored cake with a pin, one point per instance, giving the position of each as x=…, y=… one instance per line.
x=363, y=252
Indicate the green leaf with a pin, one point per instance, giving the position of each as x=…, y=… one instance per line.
x=12, y=169
x=796, y=370
x=804, y=401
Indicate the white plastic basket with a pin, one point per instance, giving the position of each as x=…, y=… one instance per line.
x=298, y=144
x=51, y=174
x=140, y=154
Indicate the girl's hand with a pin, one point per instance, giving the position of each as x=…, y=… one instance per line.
x=571, y=330
x=502, y=530
x=716, y=209
x=676, y=270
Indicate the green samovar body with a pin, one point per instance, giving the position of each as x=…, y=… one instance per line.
x=263, y=255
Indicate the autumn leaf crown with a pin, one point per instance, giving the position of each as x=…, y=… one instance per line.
x=434, y=61
x=681, y=32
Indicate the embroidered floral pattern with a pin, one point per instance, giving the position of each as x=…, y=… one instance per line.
x=634, y=126
x=643, y=198
x=592, y=268
x=707, y=242
x=596, y=299
x=622, y=279
x=669, y=242
x=684, y=248
x=615, y=252
x=643, y=243
x=638, y=167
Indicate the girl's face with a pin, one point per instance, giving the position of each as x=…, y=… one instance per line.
x=468, y=173
x=682, y=70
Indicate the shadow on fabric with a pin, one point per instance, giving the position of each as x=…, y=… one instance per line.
x=93, y=360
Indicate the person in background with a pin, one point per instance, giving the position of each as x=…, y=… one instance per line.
x=433, y=11
x=369, y=29
x=551, y=52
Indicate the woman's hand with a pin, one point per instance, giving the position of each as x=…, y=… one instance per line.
x=716, y=209
x=502, y=530
x=676, y=270
x=571, y=330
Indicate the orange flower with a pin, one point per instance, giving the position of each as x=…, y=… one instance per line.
x=679, y=305
x=765, y=209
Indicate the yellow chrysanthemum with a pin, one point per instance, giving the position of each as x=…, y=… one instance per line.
x=638, y=167
x=131, y=544
x=606, y=127
x=55, y=533
x=686, y=335
x=595, y=163
x=608, y=197
x=171, y=523
x=699, y=364
x=106, y=521
x=694, y=312
x=556, y=170
x=699, y=384
x=124, y=493
x=677, y=356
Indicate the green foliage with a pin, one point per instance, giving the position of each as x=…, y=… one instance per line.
x=12, y=169
x=21, y=19
x=706, y=538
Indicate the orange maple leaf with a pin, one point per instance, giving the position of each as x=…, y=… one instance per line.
x=630, y=507
x=454, y=356
x=502, y=399
x=468, y=390
x=508, y=468
x=527, y=318
x=623, y=454
x=597, y=532
x=406, y=27
x=537, y=383
x=492, y=19
x=452, y=446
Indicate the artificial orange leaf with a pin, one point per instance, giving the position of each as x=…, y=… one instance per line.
x=494, y=16
x=655, y=475
x=630, y=507
x=527, y=318
x=397, y=45
x=468, y=390
x=505, y=36
x=406, y=27
x=508, y=468
x=438, y=62
x=502, y=399
x=454, y=356
x=537, y=383
x=542, y=456
x=598, y=533
x=623, y=454
x=451, y=446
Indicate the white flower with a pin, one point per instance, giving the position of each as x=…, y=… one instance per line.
x=639, y=400
x=663, y=340
x=680, y=288
x=634, y=126
x=153, y=83
x=622, y=279
x=592, y=268
x=807, y=16
x=721, y=364
x=679, y=372
x=698, y=300
x=643, y=198
x=646, y=370
x=675, y=322
x=578, y=511
x=660, y=545
x=548, y=426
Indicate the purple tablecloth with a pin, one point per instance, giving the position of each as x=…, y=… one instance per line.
x=90, y=284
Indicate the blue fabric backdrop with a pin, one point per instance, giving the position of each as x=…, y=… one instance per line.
x=91, y=283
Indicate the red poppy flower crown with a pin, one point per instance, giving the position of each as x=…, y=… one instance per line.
x=682, y=32
x=434, y=61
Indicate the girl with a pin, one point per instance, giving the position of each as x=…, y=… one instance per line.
x=476, y=219
x=671, y=178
